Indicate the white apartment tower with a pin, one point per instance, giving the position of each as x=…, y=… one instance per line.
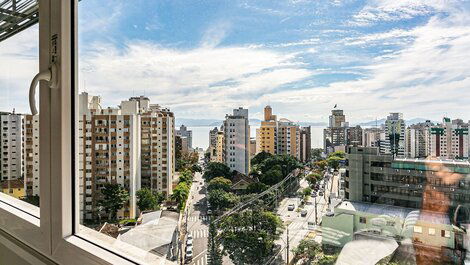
x=394, y=129
x=11, y=146
x=237, y=141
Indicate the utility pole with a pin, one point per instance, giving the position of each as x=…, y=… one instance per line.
x=287, y=262
x=315, y=210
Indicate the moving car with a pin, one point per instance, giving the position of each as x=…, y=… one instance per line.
x=291, y=207
x=189, y=254
x=303, y=213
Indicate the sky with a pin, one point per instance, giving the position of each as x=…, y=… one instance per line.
x=202, y=58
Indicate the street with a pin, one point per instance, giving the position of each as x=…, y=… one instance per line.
x=198, y=221
x=297, y=226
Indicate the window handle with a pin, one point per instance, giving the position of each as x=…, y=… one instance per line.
x=50, y=75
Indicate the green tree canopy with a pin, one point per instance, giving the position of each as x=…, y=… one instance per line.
x=313, y=178
x=316, y=154
x=113, y=198
x=333, y=161
x=221, y=200
x=216, y=169
x=340, y=154
x=260, y=157
x=272, y=176
x=307, y=250
x=146, y=200
x=220, y=183
x=186, y=176
x=322, y=164
x=180, y=194
x=248, y=237
x=256, y=187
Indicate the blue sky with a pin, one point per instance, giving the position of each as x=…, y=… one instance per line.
x=203, y=58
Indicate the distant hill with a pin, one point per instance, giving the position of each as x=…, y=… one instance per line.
x=217, y=123
x=382, y=121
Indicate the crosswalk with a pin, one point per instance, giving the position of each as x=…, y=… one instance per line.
x=194, y=218
x=296, y=225
x=202, y=260
x=200, y=233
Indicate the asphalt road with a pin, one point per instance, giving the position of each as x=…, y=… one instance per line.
x=198, y=221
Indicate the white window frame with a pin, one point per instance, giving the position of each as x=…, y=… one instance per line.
x=54, y=235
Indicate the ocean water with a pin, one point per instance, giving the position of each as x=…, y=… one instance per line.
x=201, y=135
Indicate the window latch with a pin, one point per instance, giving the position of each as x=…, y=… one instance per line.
x=50, y=75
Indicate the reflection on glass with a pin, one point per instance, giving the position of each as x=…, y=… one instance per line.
x=274, y=132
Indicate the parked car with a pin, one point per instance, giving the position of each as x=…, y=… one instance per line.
x=189, y=240
x=290, y=207
x=303, y=213
x=189, y=254
x=330, y=213
x=209, y=212
x=314, y=194
x=320, y=193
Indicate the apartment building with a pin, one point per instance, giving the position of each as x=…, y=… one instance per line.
x=394, y=130
x=266, y=135
x=109, y=152
x=335, y=137
x=220, y=148
x=31, y=154
x=11, y=146
x=450, y=140
x=418, y=140
x=184, y=132
x=305, y=144
x=416, y=183
x=372, y=137
x=288, y=138
x=237, y=141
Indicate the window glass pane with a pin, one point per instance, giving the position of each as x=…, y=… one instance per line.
x=274, y=130
x=19, y=131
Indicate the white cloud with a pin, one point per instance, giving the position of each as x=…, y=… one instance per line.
x=428, y=78
x=215, y=34
x=393, y=10
x=196, y=80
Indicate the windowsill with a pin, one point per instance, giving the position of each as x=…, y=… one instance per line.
x=20, y=208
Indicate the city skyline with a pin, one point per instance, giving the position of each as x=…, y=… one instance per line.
x=301, y=57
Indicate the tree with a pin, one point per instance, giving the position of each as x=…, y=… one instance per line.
x=180, y=194
x=260, y=157
x=307, y=250
x=31, y=199
x=221, y=200
x=316, y=154
x=333, y=161
x=114, y=196
x=340, y=154
x=248, y=237
x=219, y=183
x=213, y=247
x=196, y=168
x=216, y=169
x=186, y=176
x=256, y=187
x=307, y=191
x=146, y=200
x=313, y=178
x=322, y=164
x=286, y=163
x=272, y=176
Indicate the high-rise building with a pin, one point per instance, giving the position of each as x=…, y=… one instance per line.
x=394, y=129
x=450, y=140
x=418, y=140
x=220, y=148
x=252, y=148
x=416, y=183
x=184, y=132
x=109, y=152
x=237, y=141
x=213, y=137
x=354, y=135
x=288, y=138
x=335, y=136
x=11, y=146
x=266, y=135
x=133, y=146
x=372, y=137
x=31, y=154
x=305, y=144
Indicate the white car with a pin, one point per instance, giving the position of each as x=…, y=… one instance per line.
x=189, y=240
x=290, y=207
x=189, y=254
x=209, y=212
